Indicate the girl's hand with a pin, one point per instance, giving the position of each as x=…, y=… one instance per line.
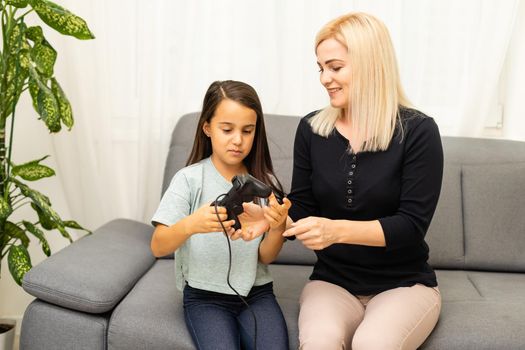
x=253, y=223
x=276, y=213
x=205, y=220
x=314, y=232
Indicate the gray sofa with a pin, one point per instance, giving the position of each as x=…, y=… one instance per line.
x=107, y=291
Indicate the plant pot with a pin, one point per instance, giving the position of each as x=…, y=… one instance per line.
x=7, y=334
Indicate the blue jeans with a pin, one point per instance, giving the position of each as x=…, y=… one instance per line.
x=221, y=321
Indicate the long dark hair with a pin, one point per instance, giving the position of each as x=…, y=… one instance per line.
x=258, y=161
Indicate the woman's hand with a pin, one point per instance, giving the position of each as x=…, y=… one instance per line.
x=275, y=213
x=253, y=223
x=205, y=220
x=314, y=232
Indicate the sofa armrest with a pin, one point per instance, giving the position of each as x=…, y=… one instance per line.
x=94, y=273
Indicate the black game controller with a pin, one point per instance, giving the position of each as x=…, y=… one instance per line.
x=245, y=189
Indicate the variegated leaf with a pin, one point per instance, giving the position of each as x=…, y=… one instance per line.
x=17, y=3
x=44, y=56
x=42, y=202
x=60, y=227
x=38, y=234
x=35, y=34
x=44, y=220
x=33, y=91
x=19, y=262
x=25, y=59
x=5, y=209
x=47, y=106
x=75, y=225
x=15, y=77
x=16, y=71
x=16, y=232
x=61, y=19
x=66, y=113
x=32, y=171
x=16, y=38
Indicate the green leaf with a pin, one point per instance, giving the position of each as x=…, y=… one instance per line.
x=42, y=53
x=38, y=234
x=35, y=34
x=44, y=100
x=75, y=225
x=33, y=91
x=19, y=262
x=16, y=38
x=42, y=202
x=15, y=77
x=17, y=3
x=45, y=221
x=25, y=58
x=5, y=209
x=32, y=171
x=61, y=19
x=63, y=231
x=44, y=56
x=16, y=232
x=16, y=71
x=66, y=113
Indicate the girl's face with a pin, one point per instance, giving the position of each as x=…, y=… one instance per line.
x=232, y=131
x=332, y=59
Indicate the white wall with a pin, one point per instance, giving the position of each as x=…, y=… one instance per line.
x=513, y=82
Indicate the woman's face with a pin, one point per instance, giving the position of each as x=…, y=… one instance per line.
x=232, y=131
x=332, y=59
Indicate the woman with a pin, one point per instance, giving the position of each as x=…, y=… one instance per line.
x=366, y=180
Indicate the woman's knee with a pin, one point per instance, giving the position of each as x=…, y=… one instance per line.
x=368, y=341
x=323, y=342
x=324, y=335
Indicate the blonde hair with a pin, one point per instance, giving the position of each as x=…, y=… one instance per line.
x=375, y=89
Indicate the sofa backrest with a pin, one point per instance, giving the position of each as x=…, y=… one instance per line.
x=479, y=222
x=480, y=218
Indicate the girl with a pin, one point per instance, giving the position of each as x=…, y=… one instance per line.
x=230, y=140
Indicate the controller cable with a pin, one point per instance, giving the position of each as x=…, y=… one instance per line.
x=229, y=270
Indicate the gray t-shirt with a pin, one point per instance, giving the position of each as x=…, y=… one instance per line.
x=202, y=261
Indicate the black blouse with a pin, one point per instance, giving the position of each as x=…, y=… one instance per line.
x=399, y=187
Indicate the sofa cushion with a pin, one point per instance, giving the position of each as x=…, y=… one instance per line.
x=481, y=310
x=494, y=198
x=94, y=273
x=152, y=317
x=476, y=305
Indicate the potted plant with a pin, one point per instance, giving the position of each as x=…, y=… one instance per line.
x=26, y=62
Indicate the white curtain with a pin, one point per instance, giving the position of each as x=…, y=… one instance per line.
x=152, y=61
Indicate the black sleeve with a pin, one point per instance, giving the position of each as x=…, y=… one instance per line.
x=301, y=196
x=421, y=178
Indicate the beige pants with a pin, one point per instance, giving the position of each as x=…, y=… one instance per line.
x=400, y=318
